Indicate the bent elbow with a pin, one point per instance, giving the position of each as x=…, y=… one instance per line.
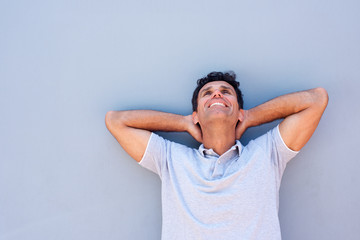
x=109, y=119
x=322, y=97
x=114, y=119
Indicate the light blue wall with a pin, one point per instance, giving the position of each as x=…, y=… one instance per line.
x=64, y=64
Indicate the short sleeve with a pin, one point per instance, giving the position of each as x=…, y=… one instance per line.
x=285, y=154
x=154, y=158
x=276, y=149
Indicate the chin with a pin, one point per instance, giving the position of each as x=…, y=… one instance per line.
x=221, y=117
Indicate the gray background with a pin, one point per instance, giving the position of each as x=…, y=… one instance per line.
x=64, y=64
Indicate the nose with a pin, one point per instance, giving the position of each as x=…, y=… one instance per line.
x=217, y=93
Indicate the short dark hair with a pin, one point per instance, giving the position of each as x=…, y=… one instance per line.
x=228, y=77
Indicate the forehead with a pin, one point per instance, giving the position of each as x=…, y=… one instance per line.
x=217, y=84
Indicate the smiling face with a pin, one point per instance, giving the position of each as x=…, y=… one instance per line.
x=217, y=100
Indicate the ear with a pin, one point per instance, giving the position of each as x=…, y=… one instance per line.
x=241, y=115
x=195, y=118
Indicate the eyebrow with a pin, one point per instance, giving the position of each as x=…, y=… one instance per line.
x=208, y=88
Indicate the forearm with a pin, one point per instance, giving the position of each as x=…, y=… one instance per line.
x=286, y=105
x=148, y=120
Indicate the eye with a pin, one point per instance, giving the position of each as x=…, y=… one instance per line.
x=207, y=93
x=225, y=92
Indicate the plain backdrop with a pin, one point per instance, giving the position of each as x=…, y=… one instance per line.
x=64, y=64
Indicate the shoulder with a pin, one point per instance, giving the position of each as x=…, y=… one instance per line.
x=162, y=153
x=272, y=141
x=158, y=144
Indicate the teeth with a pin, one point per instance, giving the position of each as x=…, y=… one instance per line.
x=220, y=104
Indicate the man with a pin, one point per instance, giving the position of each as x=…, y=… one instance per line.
x=223, y=190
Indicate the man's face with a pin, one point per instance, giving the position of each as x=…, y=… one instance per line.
x=217, y=100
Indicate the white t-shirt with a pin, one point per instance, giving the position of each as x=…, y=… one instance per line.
x=232, y=196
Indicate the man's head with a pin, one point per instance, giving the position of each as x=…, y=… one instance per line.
x=228, y=77
x=217, y=99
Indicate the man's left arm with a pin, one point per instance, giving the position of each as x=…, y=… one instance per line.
x=301, y=112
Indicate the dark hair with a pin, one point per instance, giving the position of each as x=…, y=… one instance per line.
x=228, y=77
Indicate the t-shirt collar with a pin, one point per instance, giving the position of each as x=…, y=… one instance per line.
x=210, y=152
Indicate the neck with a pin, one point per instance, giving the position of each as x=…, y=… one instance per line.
x=218, y=137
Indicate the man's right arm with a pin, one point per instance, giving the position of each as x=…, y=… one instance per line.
x=301, y=112
x=132, y=129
